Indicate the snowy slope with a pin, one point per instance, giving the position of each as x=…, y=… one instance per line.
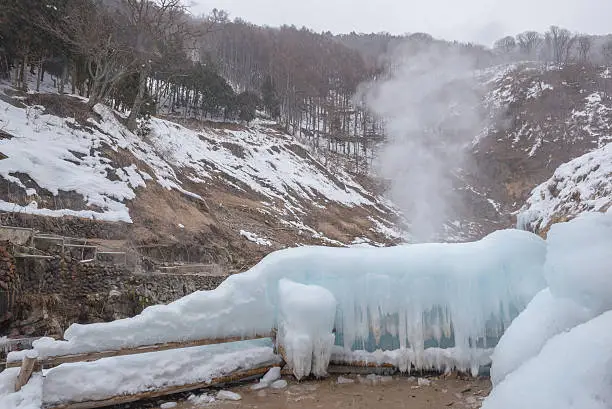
x=581, y=185
x=96, y=168
x=549, y=98
x=540, y=117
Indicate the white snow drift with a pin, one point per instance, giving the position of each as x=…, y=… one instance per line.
x=133, y=374
x=558, y=352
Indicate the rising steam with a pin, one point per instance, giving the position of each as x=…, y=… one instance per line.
x=429, y=101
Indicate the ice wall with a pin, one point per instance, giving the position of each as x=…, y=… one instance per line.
x=406, y=297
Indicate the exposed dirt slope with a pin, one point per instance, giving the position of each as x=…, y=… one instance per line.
x=221, y=193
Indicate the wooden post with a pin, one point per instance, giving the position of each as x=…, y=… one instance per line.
x=27, y=367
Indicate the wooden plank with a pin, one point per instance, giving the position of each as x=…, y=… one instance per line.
x=94, y=356
x=117, y=400
x=27, y=367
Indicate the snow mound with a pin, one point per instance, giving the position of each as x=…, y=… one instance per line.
x=544, y=317
x=409, y=297
x=29, y=397
x=571, y=372
x=579, y=261
x=550, y=367
x=581, y=185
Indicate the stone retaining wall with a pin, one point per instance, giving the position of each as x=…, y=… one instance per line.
x=55, y=292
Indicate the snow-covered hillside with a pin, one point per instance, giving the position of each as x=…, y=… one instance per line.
x=581, y=185
x=59, y=159
x=553, y=105
x=541, y=117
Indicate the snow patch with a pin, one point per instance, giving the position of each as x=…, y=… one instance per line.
x=255, y=238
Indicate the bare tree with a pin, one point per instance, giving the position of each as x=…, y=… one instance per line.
x=560, y=41
x=150, y=22
x=91, y=32
x=606, y=51
x=506, y=44
x=584, y=47
x=529, y=42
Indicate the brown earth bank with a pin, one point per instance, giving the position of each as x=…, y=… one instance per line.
x=363, y=393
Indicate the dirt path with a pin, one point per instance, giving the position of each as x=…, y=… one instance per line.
x=387, y=392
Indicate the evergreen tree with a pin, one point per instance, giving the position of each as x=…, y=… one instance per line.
x=270, y=100
x=247, y=103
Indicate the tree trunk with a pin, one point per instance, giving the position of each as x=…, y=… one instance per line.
x=24, y=72
x=39, y=75
x=93, y=94
x=137, y=106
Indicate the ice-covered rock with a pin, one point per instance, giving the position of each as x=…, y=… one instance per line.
x=423, y=382
x=280, y=384
x=168, y=405
x=228, y=395
x=444, y=294
x=198, y=400
x=342, y=380
x=272, y=375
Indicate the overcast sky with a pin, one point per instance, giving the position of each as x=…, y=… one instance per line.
x=481, y=21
